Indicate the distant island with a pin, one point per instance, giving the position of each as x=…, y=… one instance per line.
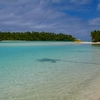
x=36, y=36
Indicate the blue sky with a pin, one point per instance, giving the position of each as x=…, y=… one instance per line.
x=75, y=17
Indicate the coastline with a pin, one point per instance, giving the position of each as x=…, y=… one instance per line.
x=90, y=42
x=85, y=42
x=37, y=43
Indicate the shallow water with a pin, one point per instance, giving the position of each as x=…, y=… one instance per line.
x=48, y=70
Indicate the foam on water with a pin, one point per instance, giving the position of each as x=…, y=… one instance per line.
x=48, y=71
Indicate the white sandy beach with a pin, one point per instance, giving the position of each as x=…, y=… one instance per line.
x=90, y=42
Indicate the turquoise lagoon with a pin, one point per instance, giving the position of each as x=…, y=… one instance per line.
x=48, y=70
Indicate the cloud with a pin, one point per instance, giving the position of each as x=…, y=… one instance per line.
x=81, y=2
x=56, y=1
x=46, y=15
x=95, y=22
x=98, y=7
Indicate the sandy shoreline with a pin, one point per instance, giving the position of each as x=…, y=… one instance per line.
x=90, y=42
x=85, y=42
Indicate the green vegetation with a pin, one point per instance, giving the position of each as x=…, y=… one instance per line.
x=95, y=36
x=35, y=36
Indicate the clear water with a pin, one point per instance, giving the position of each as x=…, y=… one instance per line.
x=48, y=70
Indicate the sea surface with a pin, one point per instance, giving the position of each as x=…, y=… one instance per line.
x=48, y=70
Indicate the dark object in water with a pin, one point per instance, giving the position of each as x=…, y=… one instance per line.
x=48, y=60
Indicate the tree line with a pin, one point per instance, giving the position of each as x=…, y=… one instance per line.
x=95, y=36
x=35, y=36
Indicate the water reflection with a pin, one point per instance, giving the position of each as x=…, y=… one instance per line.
x=96, y=45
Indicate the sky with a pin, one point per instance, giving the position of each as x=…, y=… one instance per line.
x=75, y=17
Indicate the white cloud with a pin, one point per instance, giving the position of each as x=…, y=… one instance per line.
x=43, y=15
x=98, y=7
x=80, y=2
x=56, y=1
x=95, y=22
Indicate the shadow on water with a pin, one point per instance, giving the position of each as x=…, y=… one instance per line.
x=48, y=60
x=83, y=62
x=96, y=45
x=56, y=60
